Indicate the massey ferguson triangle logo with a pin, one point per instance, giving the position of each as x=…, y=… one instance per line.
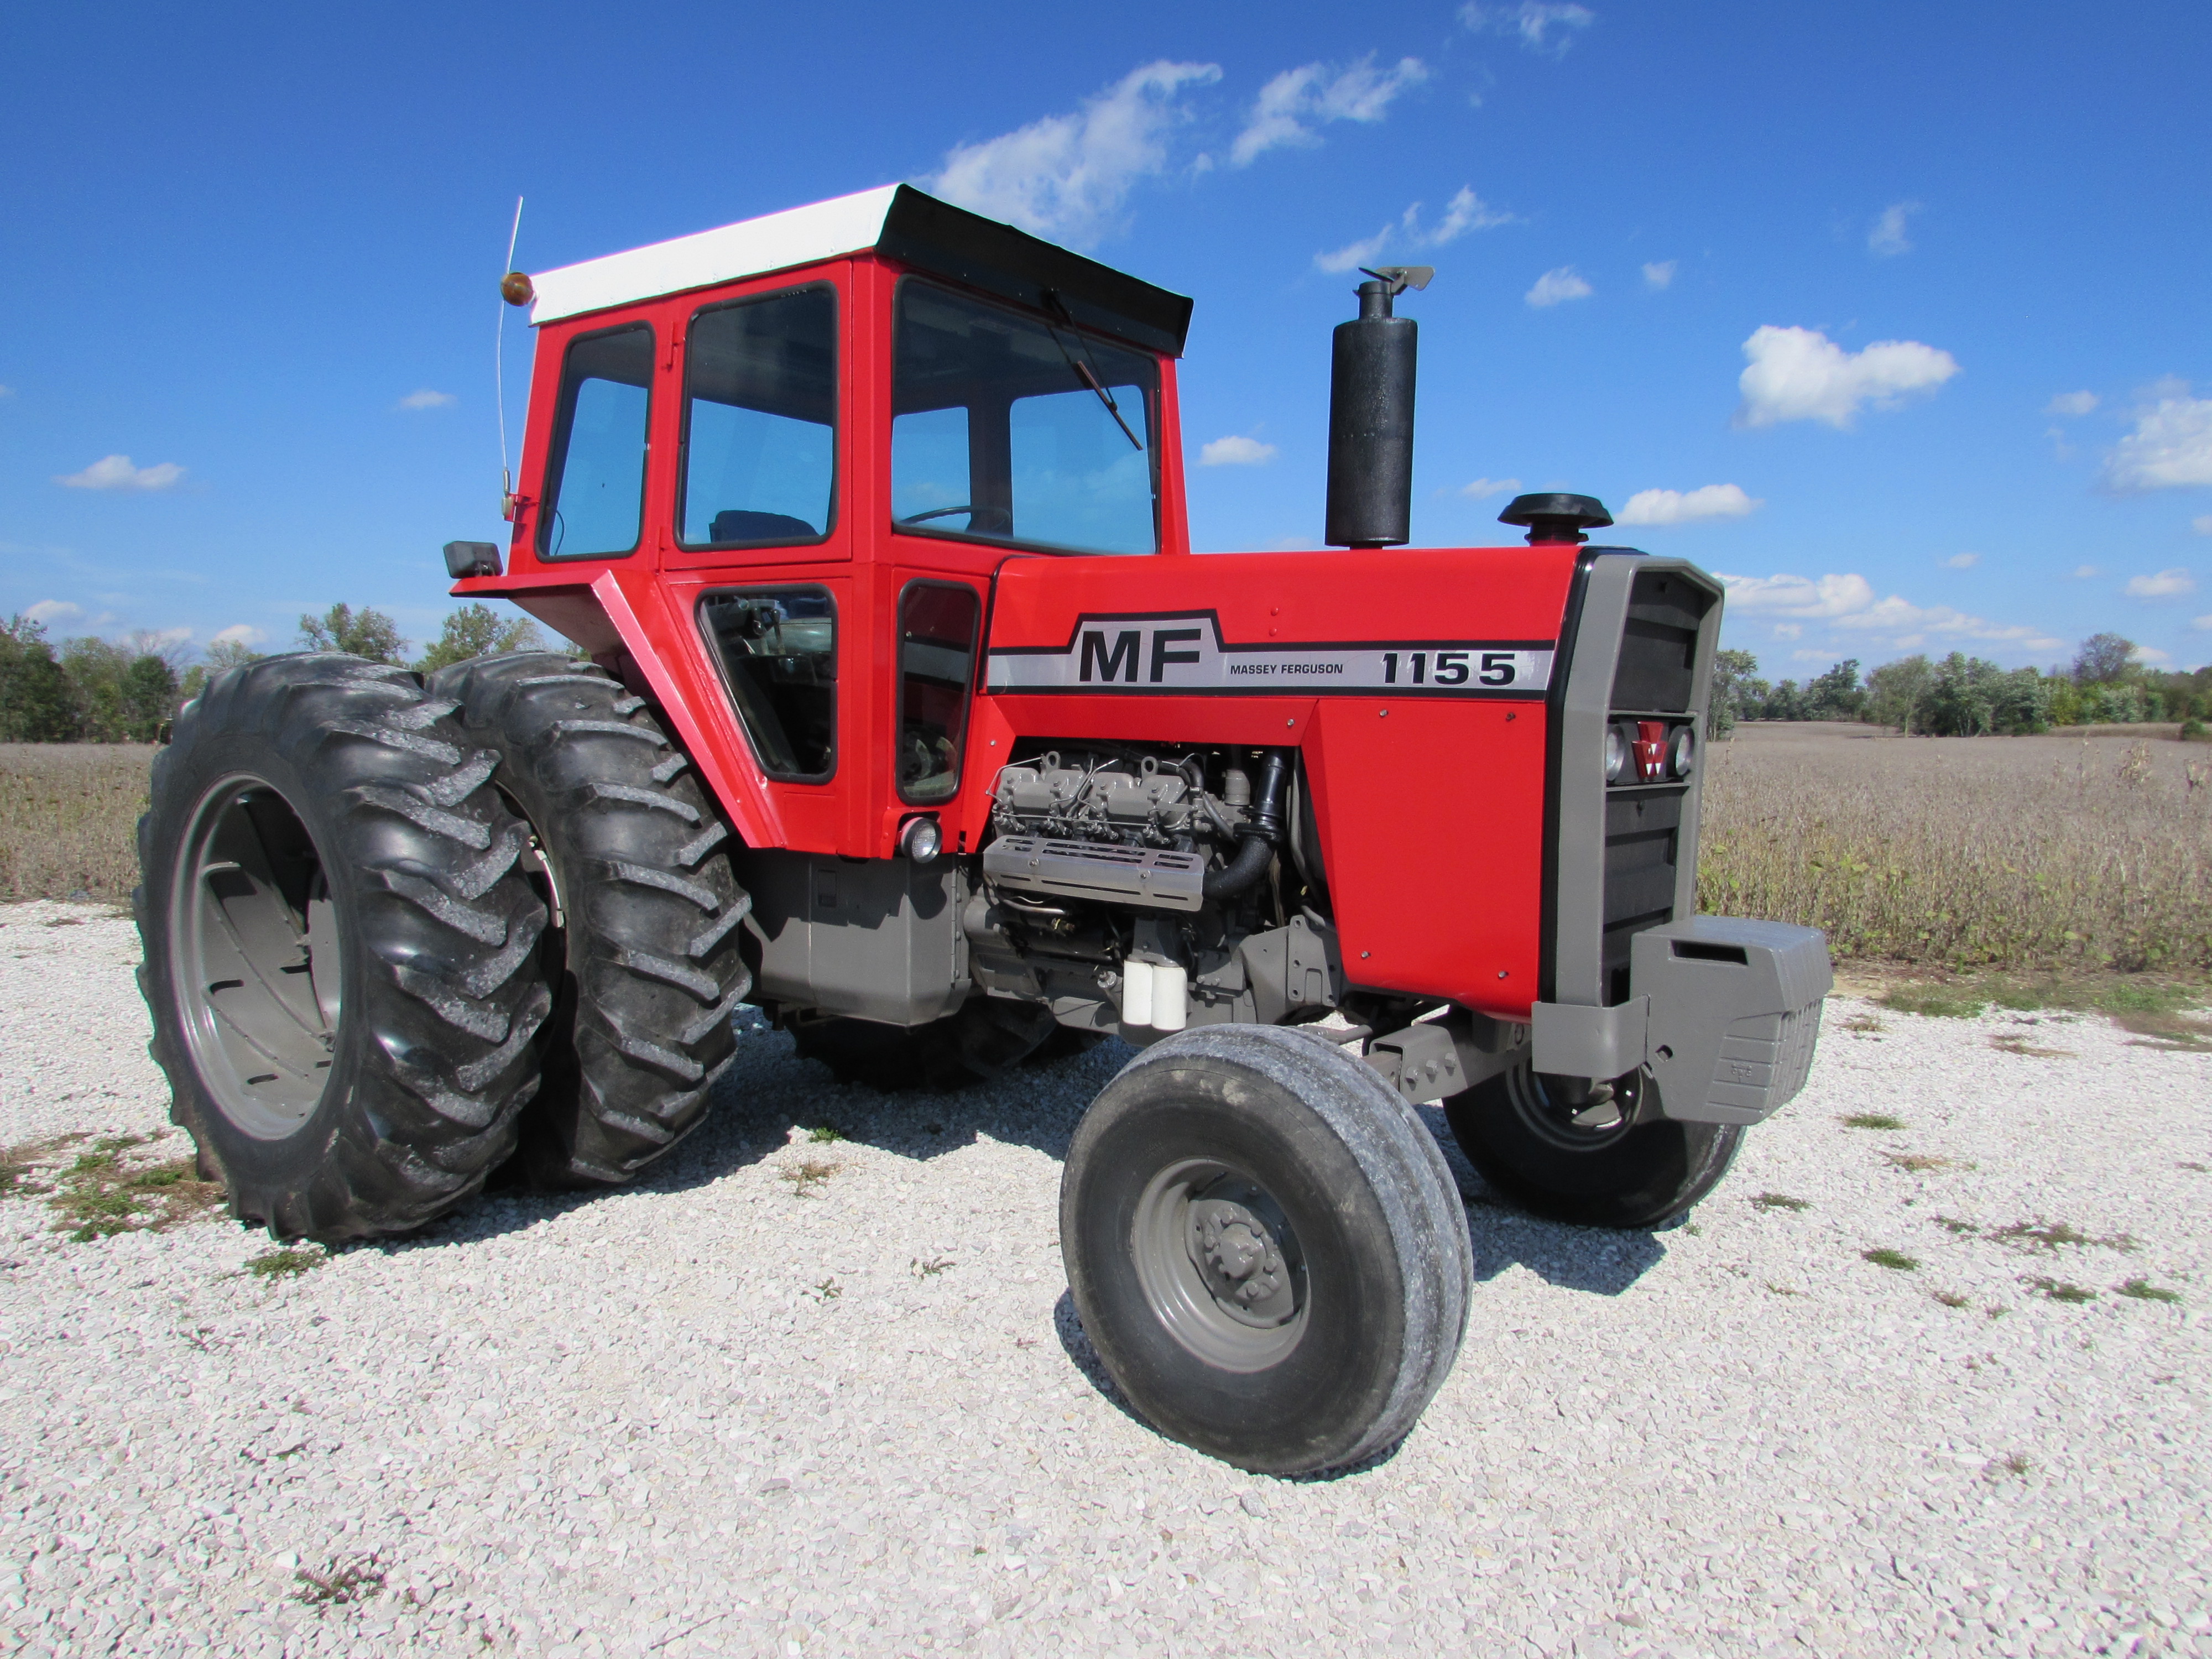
x=1185, y=653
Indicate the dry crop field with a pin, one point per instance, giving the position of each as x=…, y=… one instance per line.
x=2053, y=852
x=69, y=818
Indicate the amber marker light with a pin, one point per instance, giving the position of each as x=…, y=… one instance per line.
x=515, y=289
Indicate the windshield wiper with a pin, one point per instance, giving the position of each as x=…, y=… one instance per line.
x=1085, y=373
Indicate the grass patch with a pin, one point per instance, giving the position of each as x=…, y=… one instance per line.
x=1780, y=1201
x=1896, y=1261
x=1951, y=1298
x=1873, y=1120
x=930, y=1267
x=1918, y=1163
x=2059, y=1291
x=2141, y=1290
x=287, y=1263
x=2049, y=1235
x=1863, y=1023
x=2014, y=1464
x=1951, y=1223
x=69, y=818
x=103, y=1191
x=824, y=1135
x=1934, y=1002
x=2009, y=1043
x=807, y=1174
x=339, y=1584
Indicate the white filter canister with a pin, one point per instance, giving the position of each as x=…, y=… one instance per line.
x=1169, y=1004
x=1137, y=992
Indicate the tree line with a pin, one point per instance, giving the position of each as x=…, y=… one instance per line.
x=1963, y=696
x=95, y=690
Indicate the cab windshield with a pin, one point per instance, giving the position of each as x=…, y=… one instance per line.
x=1002, y=430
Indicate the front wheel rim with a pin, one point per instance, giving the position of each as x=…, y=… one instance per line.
x=255, y=957
x=1220, y=1265
x=1564, y=1126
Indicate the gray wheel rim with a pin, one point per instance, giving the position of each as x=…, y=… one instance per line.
x=1220, y=1265
x=255, y=958
x=1587, y=1128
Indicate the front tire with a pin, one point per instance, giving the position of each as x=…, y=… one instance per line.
x=340, y=955
x=1265, y=1249
x=1583, y=1164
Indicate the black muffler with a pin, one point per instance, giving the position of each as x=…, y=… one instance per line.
x=1371, y=416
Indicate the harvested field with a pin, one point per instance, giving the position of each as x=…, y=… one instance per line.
x=69, y=818
x=2055, y=853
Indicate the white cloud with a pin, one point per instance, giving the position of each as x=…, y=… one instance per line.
x=54, y=611
x=2163, y=586
x=1963, y=561
x=239, y=634
x=1789, y=630
x=1886, y=237
x=2072, y=403
x=1236, y=451
x=425, y=398
x=1533, y=21
x=1800, y=374
x=1466, y=211
x=2202, y=525
x=1353, y=255
x=2151, y=655
x=7, y=391
x=1553, y=286
x=2084, y=571
x=1848, y=601
x=1660, y=274
x=116, y=472
x=1486, y=487
x=1663, y=506
x=2204, y=621
x=2171, y=446
x=1066, y=176
x=1292, y=105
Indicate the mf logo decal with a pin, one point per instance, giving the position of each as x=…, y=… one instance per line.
x=1184, y=653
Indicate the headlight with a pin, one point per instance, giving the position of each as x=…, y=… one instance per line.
x=1682, y=753
x=1616, y=754
x=920, y=839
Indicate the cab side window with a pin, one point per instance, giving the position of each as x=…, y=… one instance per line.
x=937, y=669
x=759, y=412
x=595, y=473
x=778, y=651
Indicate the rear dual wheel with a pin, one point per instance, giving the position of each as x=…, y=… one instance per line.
x=1265, y=1249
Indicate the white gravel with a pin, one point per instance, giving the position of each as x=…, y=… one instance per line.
x=717, y=1414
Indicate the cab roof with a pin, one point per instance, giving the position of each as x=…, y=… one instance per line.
x=901, y=223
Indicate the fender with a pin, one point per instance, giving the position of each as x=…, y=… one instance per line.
x=634, y=616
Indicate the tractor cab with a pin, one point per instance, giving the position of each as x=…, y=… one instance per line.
x=787, y=457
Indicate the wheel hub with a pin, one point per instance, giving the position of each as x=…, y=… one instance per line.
x=1236, y=1254
x=1220, y=1265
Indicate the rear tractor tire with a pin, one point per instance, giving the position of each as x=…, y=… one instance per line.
x=340, y=952
x=1266, y=1248
x=1599, y=1163
x=633, y=856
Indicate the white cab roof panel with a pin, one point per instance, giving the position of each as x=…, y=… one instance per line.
x=752, y=247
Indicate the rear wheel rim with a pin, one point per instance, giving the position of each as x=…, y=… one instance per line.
x=1220, y=1265
x=255, y=958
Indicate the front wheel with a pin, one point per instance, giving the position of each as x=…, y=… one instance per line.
x=1265, y=1249
x=1596, y=1157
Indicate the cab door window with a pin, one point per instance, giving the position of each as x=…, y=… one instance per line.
x=937, y=671
x=595, y=473
x=778, y=651
x=760, y=421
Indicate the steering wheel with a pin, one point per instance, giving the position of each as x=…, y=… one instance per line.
x=976, y=515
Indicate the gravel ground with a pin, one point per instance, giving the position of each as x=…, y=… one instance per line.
x=800, y=1397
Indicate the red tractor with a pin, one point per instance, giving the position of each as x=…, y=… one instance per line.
x=907, y=715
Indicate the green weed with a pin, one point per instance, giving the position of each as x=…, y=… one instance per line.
x=807, y=1174
x=339, y=1583
x=1918, y=1163
x=1933, y=1001
x=2049, y=1235
x=1780, y=1201
x=1873, y=1120
x=1950, y=1298
x=2059, y=1291
x=930, y=1267
x=2141, y=1290
x=287, y=1263
x=1895, y=1260
x=824, y=1135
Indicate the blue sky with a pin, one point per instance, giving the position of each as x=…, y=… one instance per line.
x=1900, y=315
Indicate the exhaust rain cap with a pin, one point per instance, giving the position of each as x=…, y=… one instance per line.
x=1553, y=519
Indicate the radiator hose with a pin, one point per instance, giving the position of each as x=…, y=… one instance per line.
x=1255, y=847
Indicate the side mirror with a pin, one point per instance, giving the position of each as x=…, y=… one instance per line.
x=471, y=559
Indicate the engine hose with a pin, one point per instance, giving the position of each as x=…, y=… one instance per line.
x=1255, y=848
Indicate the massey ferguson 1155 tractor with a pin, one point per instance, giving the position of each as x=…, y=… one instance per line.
x=907, y=716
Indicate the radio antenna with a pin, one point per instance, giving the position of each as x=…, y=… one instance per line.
x=499, y=372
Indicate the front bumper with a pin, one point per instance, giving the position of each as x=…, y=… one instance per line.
x=1724, y=1011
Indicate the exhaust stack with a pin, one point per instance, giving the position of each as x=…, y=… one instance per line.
x=1371, y=416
